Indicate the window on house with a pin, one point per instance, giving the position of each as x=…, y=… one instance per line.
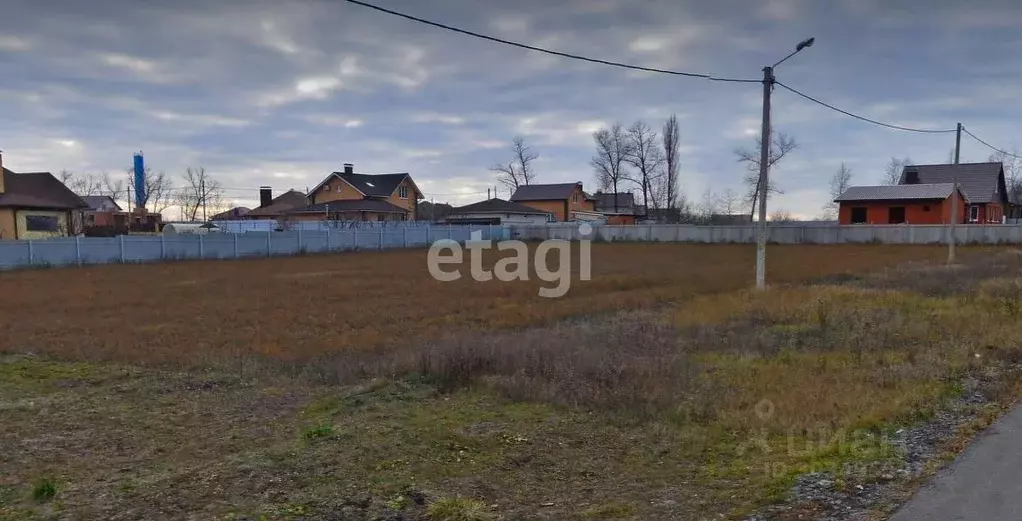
x=403, y=192
x=858, y=215
x=926, y=207
x=575, y=197
x=973, y=213
x=339, y=187
x=42, y=223
x=897, y=215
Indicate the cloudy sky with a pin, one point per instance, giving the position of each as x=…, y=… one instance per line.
x=281, y=93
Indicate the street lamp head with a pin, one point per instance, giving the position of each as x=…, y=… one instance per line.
x=804, y=43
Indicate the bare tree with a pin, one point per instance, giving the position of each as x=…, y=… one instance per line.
x=892, y=172
x=671, y=138
x=708, y=206
x=518, y=171
x=645, y=155
x=115, y=188
x=81, y=184
x=612, y=150
x=201, y=192
x=780, y=145
x=158, y=187
x=782, y=216
x=838, y=185
x=1012, y=173
x=730, y=202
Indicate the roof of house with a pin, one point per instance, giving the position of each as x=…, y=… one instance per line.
x=237, y=211
x=97, y=202
x=38, y=190
x=979, y=182
x=897, y=192
x=281, y=204
x=547, y=192
x=605, y=201
x=496, y=205
x=351, y=205
x=370, y=185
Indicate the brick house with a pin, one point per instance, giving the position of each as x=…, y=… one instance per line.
x=982, y=185
x=37, y=206
x=350, y=196
x=619, y=208
x=899, y=204
x=275, y=207
x=564, y=201
x=103, y=211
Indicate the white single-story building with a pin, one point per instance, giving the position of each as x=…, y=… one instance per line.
x=497, y=211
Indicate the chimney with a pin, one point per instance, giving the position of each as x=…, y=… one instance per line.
x=265, y=196
x=349, y=168
x=1, y=171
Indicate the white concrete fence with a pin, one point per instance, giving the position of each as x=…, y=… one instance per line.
x=795, y=233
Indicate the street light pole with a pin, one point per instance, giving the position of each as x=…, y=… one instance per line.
x=764, y=172
x=954, y=199
x=764, y=165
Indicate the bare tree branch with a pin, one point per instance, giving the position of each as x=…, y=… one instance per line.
x=81, y=184
x=892, y=172
x=645, y=155
x=671, y=138
x=838, y=185
x=519, y=170
x=612, y=149
x=200, y=192
x=780, y=145
x=1012, y=173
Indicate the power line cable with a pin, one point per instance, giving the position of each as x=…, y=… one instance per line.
x=991, y=147
x=543, y=50
x=868, y=120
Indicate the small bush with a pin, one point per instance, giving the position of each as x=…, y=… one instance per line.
x=458, y=509
x=322, y=431
x=44, y=490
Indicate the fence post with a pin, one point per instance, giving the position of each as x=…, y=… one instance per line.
x=235, y=245
x=450, y=231
x=383, y=230
x=299, y=238
x=404, y=237
x=802, y=234
x=31, y=256
x=202, y=250
x=649, y=233
x=328, y=239
x=121, y=237
x=269, y=247
x=354, y=238
x=78, y=249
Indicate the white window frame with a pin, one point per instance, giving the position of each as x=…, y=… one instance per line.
x=974, y=213
x=402, y=192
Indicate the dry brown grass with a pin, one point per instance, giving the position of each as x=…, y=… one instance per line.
x=305, y=307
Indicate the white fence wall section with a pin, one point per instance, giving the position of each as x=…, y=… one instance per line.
x=76, y=251
x=782, y=233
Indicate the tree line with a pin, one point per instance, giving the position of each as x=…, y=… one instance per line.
x=196, y=190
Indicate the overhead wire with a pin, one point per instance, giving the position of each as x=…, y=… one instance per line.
x=863, y=118
x=988, y=145
x=545, y=50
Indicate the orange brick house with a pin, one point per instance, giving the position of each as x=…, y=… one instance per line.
x=362, y=197
x=982, y=185
x=564, y=201
x=900, y=204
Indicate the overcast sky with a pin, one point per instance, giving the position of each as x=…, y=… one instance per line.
x=282, y=93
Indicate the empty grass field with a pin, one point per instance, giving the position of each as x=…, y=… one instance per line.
x=351, y=387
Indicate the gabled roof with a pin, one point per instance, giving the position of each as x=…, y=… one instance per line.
x=370, y=185
x=351, y=205
x=979, y=182
x=38, y=190
x=897, y=192
x=283, y=203
x=233, y=213
x=97, y=202
x=497, y=206
x=605, y=201
x=547, y=192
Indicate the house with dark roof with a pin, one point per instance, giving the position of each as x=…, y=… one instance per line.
x=37, y=206
x=900, y=204
x=350, y=196
x=564, y=201
x=103, y=211
x=982, y=185
x=497, y=211
x=618, y=208
x=236, y=213
x=275, y=207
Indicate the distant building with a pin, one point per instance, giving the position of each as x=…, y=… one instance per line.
x=564, y=201
x=103, y=211
x=349, y=196
x=238, y=212
x=497, y=211
x=37, y=205
x=274, y=207
x=982, y=185
x=900, y=204
x=618, y=208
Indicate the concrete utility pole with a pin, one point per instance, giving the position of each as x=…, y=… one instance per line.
x=764, y=164
x=954, y=199
x=764, y=172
